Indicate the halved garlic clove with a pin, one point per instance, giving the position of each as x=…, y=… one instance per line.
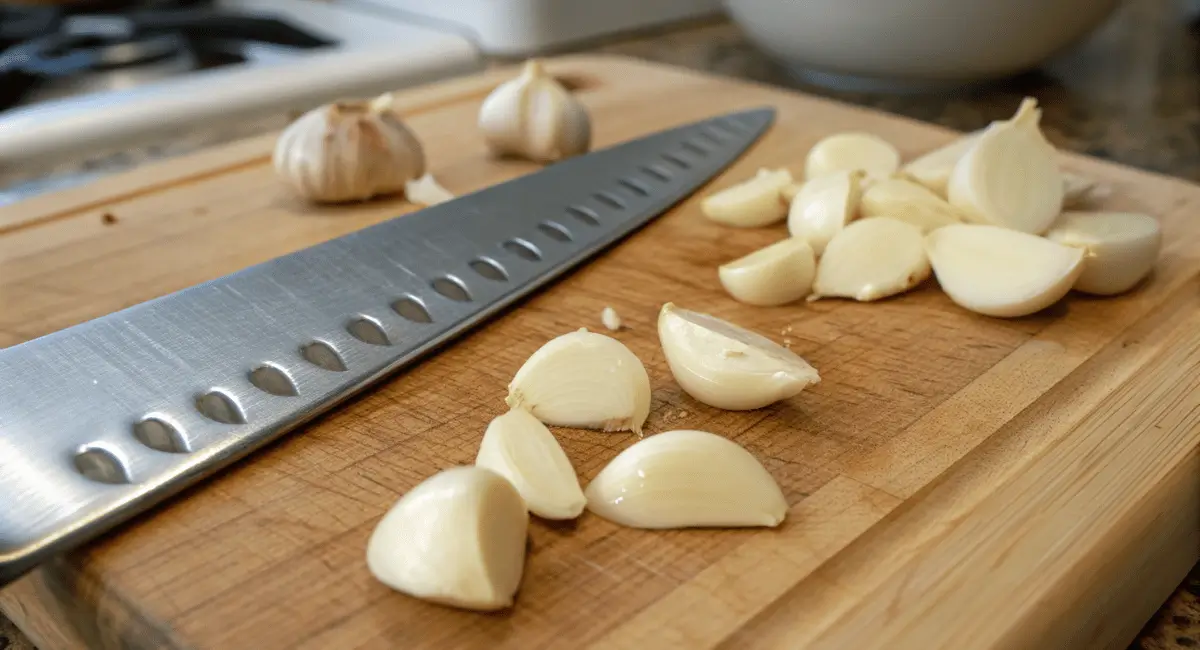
x=872, y=259
x=726, y=366
x=457, y=538
x=844, y=152
x=1079, y=190
x=586, y=380
x=1010, y=176
x=426, y=191
x=1000, y=272
x=750, y=204
x=1122, y=248
x=907, y=201
x=823, y=206
x=520, y=448
x=933, y=169
x=686, y=479
x=774, y=275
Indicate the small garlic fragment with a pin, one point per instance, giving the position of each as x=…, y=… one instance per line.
x=774, y=275
x=933, y=169
x=586, y=380
x=1122, y=248
x=1010, y=176
x=521, y=449
x=610, y=319
x=426, y=191
x=348, y=151
x=824, y=206
x=909, y=202
x=1079, y=190
x=1001, y=272
x=535, y=117
x=457, y=538
x=686, y=479
x=750, y=204
x=726, y=366
x=871, y=259
x=844, y=152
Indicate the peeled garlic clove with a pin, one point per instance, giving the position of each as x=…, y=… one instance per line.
x=535, y=117
x=426, y=191
x=1080, y=190
x=348, y=151
x=1000, y=272
x=458, y=539
x=933, y=169
x=726, y=366
x=1121, y=247
x=686, y=479
x=521, y=449
x=1010, y=176
x=909, y=202
x=752, y=203
x=584, y=380
x=774, y=275
x=824, y=206
x=844, y=152
x=872, y=259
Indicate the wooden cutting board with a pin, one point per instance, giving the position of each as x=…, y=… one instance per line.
x=956, y=481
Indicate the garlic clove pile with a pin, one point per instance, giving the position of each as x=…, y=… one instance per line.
x=774, y=275
x=871, y=259
x=726, y=366
x=823, y=206
x=933, y=169
x=1010, y=176
x=1122, y=248
x=535, y=117
x=586, y=380
x=844, y=152
x=348, y=151
x=750, y=204
x=1000, y=272
x=686, y=479
x=426, y=191
x=907, y=201
x=457, y=539
x=520, y=448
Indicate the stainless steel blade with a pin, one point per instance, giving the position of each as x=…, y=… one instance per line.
x=104, y=419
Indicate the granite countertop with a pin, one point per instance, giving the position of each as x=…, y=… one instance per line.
x=1128, y=94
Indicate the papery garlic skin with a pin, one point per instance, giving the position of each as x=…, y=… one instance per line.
x=907, y=201
x=458, y=538
x=426, y=191
x=871, y=259
x=823, y=206
x=535, y=117
x=773, y=275
x=686, y=479
x=348, y=151
x=1122, y=248
x=845, y=152
x=1001, y=272
x=727, y=366
x=585, y=380
x=752, y=203
x=520, y=448
x=933, y=169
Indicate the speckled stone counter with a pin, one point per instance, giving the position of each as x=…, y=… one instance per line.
x=1130, y=93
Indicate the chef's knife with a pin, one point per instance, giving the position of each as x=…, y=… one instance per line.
x=100, y=421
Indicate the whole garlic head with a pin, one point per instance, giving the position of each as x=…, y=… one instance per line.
x=534, y=117
x=348, y=151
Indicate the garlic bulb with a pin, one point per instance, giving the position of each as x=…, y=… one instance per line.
x=1000, y=272
x=726, y=366
x=1010, y=176
x=535, y=117
x=907, y=201
x=584, y=380
x=457, y=538
x=774, y=275
x=521, y=449
x=844, y=152
x=1122, y=248
x=871, y=259
x=823, y=206
x=752, y=203
x=684, y=479
x=933, y=169
x=348, y=151
x=426, y=191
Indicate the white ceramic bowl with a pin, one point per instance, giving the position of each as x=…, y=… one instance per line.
x=915, y=42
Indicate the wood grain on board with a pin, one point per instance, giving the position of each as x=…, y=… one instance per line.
x=956, y=481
